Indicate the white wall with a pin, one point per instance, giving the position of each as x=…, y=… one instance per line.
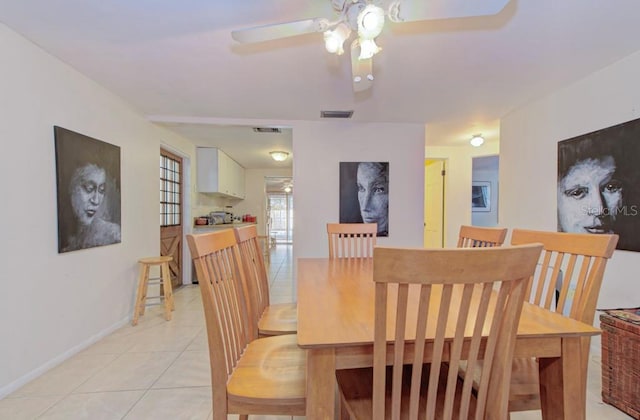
x=204, y=203
x=457, y=184
x=319, y=147
x=55, y=304
x=528, y=159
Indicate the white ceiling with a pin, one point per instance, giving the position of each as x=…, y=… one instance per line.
x=176, y=62
x=242, y=143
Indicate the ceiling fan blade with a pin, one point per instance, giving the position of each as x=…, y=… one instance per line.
x=415, y=10
x=361, y=70
x=280, y=30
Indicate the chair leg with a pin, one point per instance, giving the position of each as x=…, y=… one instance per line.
x=173, y=306
x=141, y=294
x=168, y=294
x=145, y=289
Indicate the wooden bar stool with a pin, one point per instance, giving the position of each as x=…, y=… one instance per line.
x=144, y=281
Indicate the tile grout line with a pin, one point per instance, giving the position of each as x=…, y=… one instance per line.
x=146, y=391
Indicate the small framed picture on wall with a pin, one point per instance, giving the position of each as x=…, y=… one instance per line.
x=481, y=196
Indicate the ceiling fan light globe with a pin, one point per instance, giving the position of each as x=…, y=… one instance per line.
x=334, y=39
x=332, y=44
x=368, y=49
x=370, y=22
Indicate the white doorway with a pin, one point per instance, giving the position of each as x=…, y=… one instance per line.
x=434, y=177
x=279, y=209
x=281, y=217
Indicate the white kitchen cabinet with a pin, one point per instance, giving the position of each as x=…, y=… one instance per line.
x=218, y=173
x=238, y=180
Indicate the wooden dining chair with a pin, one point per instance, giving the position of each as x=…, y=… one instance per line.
x=492, y=283
x=351, y=240
x=270, y=319
x=264, y=376
x=475, y=236
x=567, y=281
x=265, y=246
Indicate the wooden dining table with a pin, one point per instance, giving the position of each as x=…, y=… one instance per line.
x=335, y=325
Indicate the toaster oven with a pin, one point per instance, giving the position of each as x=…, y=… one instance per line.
x=221, y=217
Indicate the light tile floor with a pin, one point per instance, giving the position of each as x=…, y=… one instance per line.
x=160, y=370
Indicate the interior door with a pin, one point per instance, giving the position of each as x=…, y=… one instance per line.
x=434, y=173
x=171, y=220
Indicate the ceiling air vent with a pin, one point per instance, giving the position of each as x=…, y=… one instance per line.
x=267, y=130
x=336, y=114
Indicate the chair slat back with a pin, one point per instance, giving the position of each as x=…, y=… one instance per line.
x=488, y=334
x=217, y=261
x=475, y=236
x=571, y=269
x=351, y=240
x=254, y=270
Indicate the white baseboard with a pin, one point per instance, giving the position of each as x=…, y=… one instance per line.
x=12, y=386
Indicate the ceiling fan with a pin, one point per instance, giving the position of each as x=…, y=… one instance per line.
x=365, y=19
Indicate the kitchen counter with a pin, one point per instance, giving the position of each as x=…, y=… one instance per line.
x=209, y=228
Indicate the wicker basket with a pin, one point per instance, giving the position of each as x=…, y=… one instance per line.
x=621, y=364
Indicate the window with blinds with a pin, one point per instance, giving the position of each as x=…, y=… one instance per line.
x=170, y=190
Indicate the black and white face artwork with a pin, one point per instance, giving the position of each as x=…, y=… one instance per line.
x=88, y=180
x=598, y=184
x=589, y=196
x=373, y=193
x=364, y=194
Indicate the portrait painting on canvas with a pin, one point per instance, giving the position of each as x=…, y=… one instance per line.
x=88, y=184
x=598, y=184
x=364, y=194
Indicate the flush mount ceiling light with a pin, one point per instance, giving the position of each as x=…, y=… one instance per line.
x=366, y=19
x=477, y=140
x=279, y=155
